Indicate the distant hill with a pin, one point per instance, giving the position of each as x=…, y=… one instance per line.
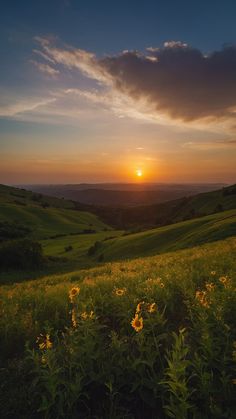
x=172, y=237
x=42, y=216
x=122, y=195
x=144, y=217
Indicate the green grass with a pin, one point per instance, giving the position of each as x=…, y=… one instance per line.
x=80, y=244
x=23, y=197
x=50, y=221
x=181, y=364
x=59, y=218
x=172, y=237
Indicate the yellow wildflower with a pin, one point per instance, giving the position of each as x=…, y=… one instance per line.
x=73, y=292
x=86, y=315
x=120, y=291
x=201, y=297
x=210, y=286
x=43, y=360
x=73, y=318
x=162, y=285
x=137, y=323
x=225, y=281
x=151, y=308
x=139, y=306
x=213, y=273
x=44, y=342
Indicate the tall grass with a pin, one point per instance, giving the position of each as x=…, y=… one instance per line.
x=154, y=338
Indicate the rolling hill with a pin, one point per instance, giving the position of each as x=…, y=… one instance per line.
x=120, y=195
x=188, y=207
x=172, y=237
x=45, y=216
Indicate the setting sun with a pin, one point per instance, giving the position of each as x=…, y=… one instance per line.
x=139, y=173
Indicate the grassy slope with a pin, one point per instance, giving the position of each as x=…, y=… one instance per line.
x=58, y=218
x=80, y=243
x=12, y=194
x=206, y=203
x=172, y=211
x=173, y=237
x=45, y=301
x=39, y=306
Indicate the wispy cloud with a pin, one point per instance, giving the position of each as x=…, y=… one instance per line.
x=43, y=55
x=175, y=83
x=45, y=68
x=24, y=106
x=210, y=145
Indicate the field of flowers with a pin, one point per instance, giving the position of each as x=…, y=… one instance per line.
x=148, y=338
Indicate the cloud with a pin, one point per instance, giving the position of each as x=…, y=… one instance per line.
x=43, y=55
x=176, y=82
x=74, y=58
x=210, y=145
x=45, y=68
x=22, y=106
x=182, y=82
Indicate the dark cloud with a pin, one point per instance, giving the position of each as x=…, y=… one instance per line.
x=178, y=80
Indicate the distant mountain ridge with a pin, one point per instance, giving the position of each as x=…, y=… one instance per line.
x=189, y=207
x=122, y=195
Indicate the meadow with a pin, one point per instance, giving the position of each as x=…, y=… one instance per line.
x=171, y=237
x=152, y=337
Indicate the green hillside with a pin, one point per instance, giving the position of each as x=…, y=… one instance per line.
x=45, y=216
x=149, y=216
x=172, y=237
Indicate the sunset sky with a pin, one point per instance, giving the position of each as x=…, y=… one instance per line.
x=99, y=91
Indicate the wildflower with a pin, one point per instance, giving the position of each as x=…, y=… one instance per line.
x=151, y=308
x=224, y=281
x=43, y=360
x=120, y=291
x=137, y=323
x=162, y=285
x=73, y=318
x=86, y=315
x=213, y=273
x=73, y=292
x=44, y=342
x=210, y=286
x=139, y=306
x=201, y=297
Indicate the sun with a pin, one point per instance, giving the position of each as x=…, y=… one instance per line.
x=139, y=173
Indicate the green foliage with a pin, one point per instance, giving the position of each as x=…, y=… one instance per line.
x=68, y=248
x=22, y=254
x=12, y=230
x=94, y=248
x=176, y=382
x=180, y=363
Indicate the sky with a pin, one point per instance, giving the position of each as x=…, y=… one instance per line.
x=102, y=91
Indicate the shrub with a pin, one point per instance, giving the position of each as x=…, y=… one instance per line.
x=20, y=254
x=68, y=248
x=93, y=249
x=12, y=230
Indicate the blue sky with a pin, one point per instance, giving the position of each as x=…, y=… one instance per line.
x=66, y=115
